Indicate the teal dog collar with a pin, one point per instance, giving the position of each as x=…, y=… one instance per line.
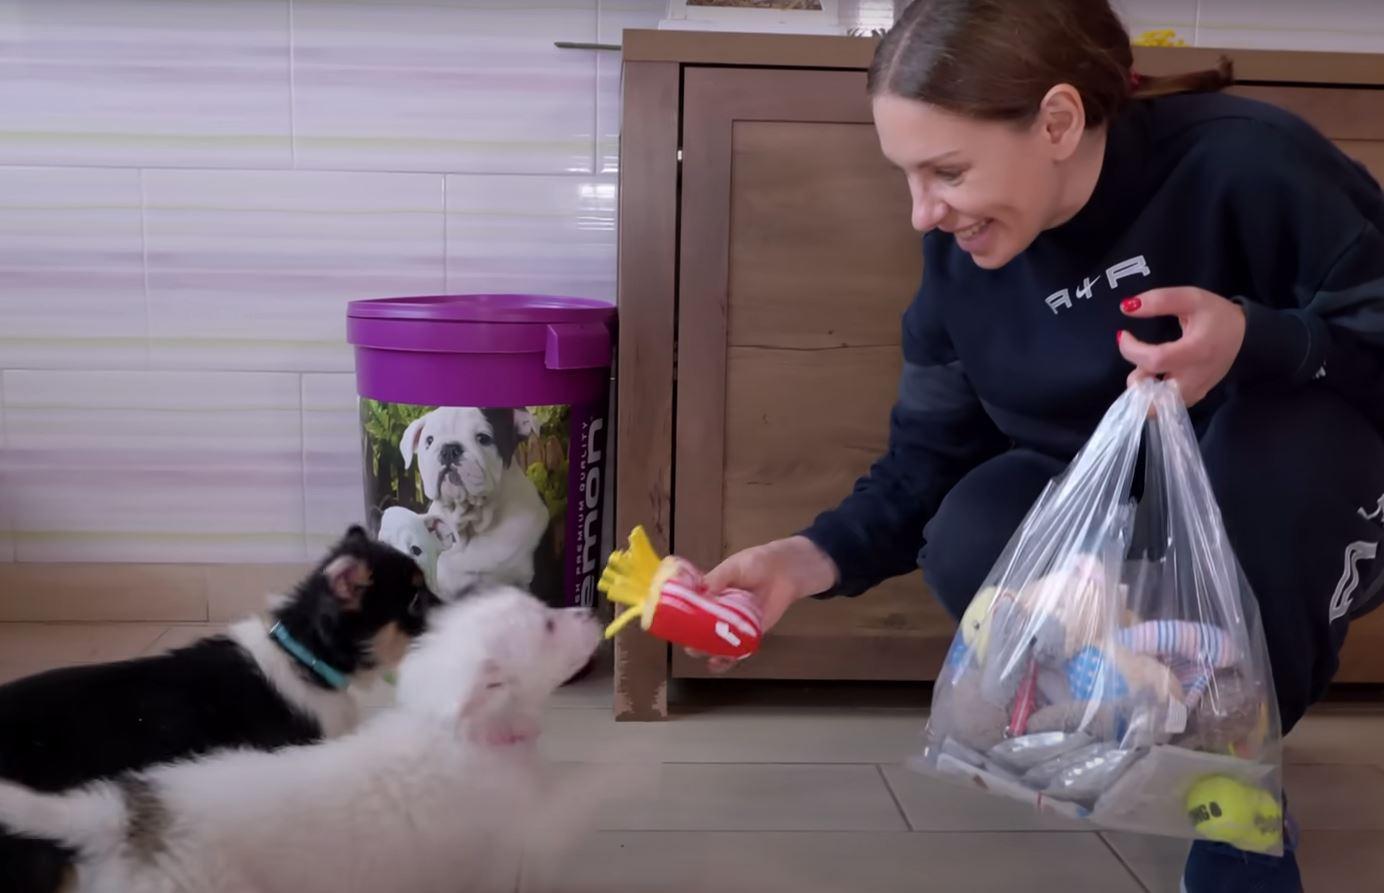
x=329, y=674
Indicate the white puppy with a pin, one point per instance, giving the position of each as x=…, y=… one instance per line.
x=466, y=459
x=422, y=537
x=435, y=794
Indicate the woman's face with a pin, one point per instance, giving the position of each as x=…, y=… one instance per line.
x=994, y=185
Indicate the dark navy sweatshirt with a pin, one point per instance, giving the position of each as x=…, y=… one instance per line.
x=1234, y=196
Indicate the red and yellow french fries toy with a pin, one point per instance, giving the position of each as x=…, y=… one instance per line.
x=671, y=601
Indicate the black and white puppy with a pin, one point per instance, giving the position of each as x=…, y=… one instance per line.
x=445, y=791
x=266, y=683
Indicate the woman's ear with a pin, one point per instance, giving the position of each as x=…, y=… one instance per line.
x=1062, y=121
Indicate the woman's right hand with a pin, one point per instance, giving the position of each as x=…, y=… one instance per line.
x=776, y=575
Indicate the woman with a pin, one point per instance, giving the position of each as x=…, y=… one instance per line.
x=1084, y=228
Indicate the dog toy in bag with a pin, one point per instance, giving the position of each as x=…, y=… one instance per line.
x=670, y=599
x=1113, y=667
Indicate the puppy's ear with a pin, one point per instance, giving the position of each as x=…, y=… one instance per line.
x=490, y=713
x=348, y=577
x=441, y=531
x=413, y=435
x=504, y=427
x=491, y=689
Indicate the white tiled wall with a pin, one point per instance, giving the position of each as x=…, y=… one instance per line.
x=191, y=190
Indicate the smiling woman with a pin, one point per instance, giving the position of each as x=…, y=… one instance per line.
x=1085, y=228
x=1031, y=116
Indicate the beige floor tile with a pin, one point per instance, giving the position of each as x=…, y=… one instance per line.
x=1342, y=861
x=762, y=797
x=899, y=862
x=236, y=591
x=595, y=690
x=791, y=735
x=182, y=635
x=1337, y=736
x=934, y=804
x=102, y=592
x=1156, y=861
x=1336, y=798
x=28, y=648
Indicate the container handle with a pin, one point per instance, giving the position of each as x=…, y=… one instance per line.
x=577, y=346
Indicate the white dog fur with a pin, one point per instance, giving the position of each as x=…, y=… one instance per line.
x=487, y=500
x=422, y=537
x=438, y=793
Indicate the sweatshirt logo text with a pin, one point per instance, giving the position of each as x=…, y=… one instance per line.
x=1062, y=300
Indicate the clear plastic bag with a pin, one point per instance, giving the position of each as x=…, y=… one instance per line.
x=1113, y=667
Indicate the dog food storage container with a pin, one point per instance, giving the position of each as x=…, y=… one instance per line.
x=483, y=421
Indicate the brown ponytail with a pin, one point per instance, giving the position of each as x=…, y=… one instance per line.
x=1210, y=80
x=997, y=59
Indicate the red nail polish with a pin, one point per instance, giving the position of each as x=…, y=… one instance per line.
x=1129, y=305
x=1119, y=336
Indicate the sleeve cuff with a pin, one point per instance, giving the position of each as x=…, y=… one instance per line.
x=1279, y=346
x=827, y=534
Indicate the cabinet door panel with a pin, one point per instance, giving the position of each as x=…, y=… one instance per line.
x=789, y=348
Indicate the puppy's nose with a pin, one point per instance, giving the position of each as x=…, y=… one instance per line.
x=450, y=453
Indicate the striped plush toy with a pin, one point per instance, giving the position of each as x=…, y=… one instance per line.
x=1191, y=650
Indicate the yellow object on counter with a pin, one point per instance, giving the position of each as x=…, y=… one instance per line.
x=1160, y=37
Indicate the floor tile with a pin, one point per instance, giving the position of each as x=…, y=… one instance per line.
x=595, y=690
x=1336, y=798
x=182, y=635
x=1337, y=736
x=762, y=797
x=900, y=862
x=101, y=592
x=1341, y=861
x=797, y=735
x=1156, y=861
x=28, y=648
x=934, y=804
x=237, y=591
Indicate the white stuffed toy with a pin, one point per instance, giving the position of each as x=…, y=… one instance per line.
x=421, y=537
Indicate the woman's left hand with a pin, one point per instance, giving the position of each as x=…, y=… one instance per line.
x=1213, y=328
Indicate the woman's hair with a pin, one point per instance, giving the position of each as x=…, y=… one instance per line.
x=997, y=59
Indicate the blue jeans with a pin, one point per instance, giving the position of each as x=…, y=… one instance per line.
x=1220, y=868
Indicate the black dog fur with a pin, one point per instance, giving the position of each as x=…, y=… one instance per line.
x=69, y=726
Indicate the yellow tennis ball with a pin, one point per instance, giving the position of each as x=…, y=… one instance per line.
x=1229, y=811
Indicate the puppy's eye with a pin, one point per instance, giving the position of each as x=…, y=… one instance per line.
x=550, y=625
x=415, y=550
x=484, y=439
x=428, y=442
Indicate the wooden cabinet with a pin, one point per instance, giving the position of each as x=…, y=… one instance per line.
x=762, y=279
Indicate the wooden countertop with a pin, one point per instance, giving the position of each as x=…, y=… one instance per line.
x=810, y=51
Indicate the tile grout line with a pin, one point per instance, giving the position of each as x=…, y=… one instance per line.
x=893, y=795
x=1121, y=859
x=596, y=97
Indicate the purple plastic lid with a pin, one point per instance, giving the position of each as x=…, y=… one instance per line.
x=484, y=308
x=571, y=333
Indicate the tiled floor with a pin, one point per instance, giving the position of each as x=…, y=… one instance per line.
x=800, y=790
